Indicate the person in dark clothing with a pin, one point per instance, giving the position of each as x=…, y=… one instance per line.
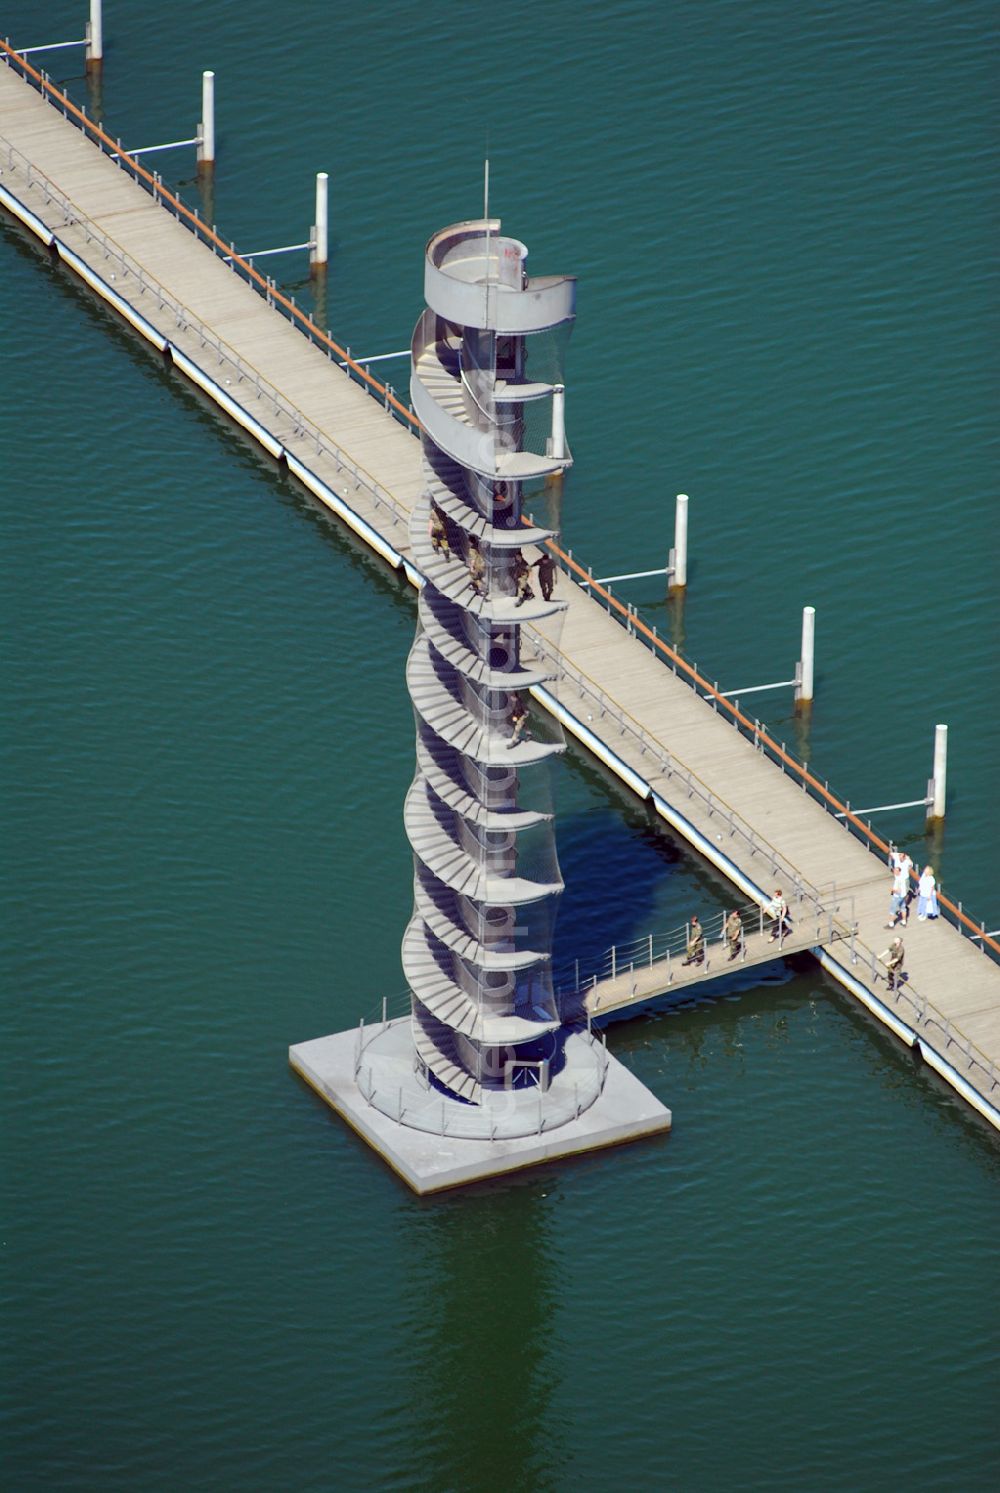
x=517, y=717
x=545, y=565
x=695, y=942
x=892, y=958
x=734, y=934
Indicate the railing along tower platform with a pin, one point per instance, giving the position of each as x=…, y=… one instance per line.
x=484, y=1060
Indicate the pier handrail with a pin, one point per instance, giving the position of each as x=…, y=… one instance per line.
x=927, y=1014
x=626, y=615
x=651, y=950
x=151, y=181
x=980, y=1071
x=753, y=729
x=672, y=765
x=188, y=320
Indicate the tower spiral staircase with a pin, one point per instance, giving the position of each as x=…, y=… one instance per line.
x=476, y=952
x=483, y=1074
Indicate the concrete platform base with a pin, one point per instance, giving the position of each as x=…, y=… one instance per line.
x=624, y=1111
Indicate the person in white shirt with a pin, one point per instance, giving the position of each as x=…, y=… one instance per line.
x=777, y=908
x=927, y=906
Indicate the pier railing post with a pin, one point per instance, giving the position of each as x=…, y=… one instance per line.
x=206, y=125
x=937, y=788
x=320, y=233
x=95, y=37
x=558, y=451
x=804, y=687
x=677, y=561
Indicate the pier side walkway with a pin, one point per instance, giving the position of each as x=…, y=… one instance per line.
x=642, y=981
x=687, y=760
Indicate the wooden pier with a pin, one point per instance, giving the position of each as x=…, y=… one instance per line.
x=708, y=770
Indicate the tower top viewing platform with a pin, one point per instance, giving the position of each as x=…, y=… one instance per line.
x=474, y=276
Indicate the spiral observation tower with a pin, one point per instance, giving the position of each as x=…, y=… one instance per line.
x=477, y=951
x=483, y=1075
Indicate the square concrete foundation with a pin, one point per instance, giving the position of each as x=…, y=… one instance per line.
x=625, y=1110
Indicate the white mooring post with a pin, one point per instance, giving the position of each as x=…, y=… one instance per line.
x=95, y=36
x=558, y=451
x=938, y=785
x=320, y=233
x=206, y=125
x=804, y=685
x=677, y=561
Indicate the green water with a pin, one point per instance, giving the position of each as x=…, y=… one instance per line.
x=784, y=219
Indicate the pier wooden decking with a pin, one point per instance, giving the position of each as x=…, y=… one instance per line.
x=689, y=761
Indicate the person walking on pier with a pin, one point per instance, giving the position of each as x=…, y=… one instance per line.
x=477, y=567
x=734, y=934
x=777, y=909
x=438, y=531
x=545, y=565
x=901, y=865
x=518, y=718
x=522, y=579
x=892, y=958
x=695, y=942
x=927, y=905
x=899, y=902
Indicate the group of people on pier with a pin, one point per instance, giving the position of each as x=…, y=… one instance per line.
x=902, y=894
x=900, y=898
x=733, y=934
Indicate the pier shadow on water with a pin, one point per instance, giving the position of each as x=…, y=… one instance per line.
x=644, y=879
x=616, y=895
x=626, y=873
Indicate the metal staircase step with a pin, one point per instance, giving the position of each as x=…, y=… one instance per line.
x=445, y=922
x=452, y=1005
x=453, y=865
x=445, y=1066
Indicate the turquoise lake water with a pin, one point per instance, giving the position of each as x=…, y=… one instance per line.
x=784, y=219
